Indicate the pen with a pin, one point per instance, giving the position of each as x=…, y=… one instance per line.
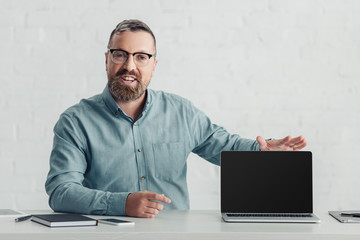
x=350, y=214
x=24, y=218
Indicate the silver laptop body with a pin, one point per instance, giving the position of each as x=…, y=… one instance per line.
x=267, y=186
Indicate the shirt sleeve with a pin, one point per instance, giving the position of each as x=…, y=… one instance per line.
x=211, y=139
x=68, y=165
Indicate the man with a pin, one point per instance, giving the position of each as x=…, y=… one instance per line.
x=123, y=152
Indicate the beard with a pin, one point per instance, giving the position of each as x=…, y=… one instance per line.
x=125, y=93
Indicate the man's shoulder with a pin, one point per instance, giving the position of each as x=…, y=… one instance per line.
x=169, y=97
x=84, y=106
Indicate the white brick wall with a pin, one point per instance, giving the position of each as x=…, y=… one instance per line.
x=257, y=67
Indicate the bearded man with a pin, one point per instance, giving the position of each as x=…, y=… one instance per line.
x=124, y=151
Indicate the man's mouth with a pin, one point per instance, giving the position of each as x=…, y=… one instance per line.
x=128, y=78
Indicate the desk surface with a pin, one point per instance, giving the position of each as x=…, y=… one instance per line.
x=193, y=224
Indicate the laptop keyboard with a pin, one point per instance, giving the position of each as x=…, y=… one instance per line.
x=268, y=215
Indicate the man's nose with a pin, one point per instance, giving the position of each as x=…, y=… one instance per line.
x=129, y=63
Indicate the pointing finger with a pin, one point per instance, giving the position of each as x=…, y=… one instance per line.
x=159, y=197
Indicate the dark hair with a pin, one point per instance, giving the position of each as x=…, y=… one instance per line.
x=132, y=25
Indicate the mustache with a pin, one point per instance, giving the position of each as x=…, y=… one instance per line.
x=124, y=71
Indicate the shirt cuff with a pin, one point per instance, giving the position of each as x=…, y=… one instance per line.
x=257, y=146
x=116, y=204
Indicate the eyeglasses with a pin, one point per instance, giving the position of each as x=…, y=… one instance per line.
x=119, y=56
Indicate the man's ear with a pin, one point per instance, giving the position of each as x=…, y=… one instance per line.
x=155, y=63
x=106, y=60
x=154, y=66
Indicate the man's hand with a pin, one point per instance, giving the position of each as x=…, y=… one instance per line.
x=285, y=144
x=142, y=204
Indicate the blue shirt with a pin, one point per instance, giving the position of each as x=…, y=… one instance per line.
x=100, y=154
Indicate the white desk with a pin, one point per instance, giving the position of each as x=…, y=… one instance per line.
x=183, y=225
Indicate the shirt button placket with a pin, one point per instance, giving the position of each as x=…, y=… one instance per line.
x=142, y=179
x=139, y=158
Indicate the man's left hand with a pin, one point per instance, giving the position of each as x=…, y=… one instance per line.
x=285, y=144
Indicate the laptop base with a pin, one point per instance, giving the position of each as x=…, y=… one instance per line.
x=308, y=219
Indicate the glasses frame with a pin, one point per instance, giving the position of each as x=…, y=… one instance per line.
x=111, y=50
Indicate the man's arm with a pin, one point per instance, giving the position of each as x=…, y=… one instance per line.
x=211, y=139
x=68, y=165
x=65, y=188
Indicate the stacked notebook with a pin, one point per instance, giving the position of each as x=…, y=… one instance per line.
x=64, y=220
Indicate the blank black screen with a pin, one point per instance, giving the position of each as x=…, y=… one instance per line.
x=266, y=182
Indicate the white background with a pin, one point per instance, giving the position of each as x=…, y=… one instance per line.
x=256, y=67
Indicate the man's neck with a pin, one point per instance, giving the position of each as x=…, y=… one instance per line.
x=133, y=108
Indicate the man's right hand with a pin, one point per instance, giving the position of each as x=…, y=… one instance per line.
x=142, y=204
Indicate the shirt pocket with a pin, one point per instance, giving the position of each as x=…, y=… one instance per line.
x=170, y=160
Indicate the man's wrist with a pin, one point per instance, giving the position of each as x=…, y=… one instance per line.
x=117, y=203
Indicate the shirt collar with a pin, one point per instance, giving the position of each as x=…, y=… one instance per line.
x=114, y=107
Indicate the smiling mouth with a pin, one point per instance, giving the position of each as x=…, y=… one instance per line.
x=128, y=79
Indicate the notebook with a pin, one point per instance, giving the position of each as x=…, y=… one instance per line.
x=64, y=220
x=267, y=186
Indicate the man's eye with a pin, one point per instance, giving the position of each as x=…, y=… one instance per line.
x=142, y=57
x=119, y=55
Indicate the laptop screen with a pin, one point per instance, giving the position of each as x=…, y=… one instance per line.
x=266, y=182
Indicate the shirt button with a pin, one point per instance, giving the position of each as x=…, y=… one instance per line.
x=142, y=178
x=135, y=124
x=139, y=150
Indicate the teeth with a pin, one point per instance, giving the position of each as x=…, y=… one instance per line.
x=129, y=79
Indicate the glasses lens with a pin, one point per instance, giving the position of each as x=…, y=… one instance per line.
x=119, y=56
x=141, y=59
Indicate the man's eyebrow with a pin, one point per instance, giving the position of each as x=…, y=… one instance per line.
x=144, y=51
x=140, y=51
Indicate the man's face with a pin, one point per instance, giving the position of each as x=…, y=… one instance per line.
x=127, y=81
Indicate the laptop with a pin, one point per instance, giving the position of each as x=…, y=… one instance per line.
x=267, y=186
